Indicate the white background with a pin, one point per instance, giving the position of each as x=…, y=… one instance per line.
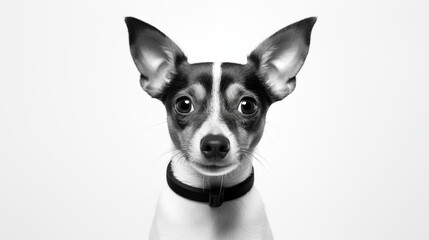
x=81, y=145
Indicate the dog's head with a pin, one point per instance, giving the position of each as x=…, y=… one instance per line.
x=216, y=111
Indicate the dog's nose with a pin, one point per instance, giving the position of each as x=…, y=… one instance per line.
x=214, y=147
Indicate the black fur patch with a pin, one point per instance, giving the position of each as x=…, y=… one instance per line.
x=186, y=76
x=242, y=74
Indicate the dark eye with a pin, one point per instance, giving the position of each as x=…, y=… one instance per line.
x=184, y=105
x=247, y=106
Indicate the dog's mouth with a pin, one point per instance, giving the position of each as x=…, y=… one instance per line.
x=214, y=169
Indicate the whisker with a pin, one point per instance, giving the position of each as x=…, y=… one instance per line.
x=203, y=177
x=263, y=158
x=171, y=150
x=153, y=126
x=243, y=149
x=275, y=126
x=250, y=154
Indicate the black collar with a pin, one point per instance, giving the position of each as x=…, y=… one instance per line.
x=213, y=196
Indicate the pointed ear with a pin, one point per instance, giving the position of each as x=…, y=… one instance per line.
x=280, y=57
x=154, y=54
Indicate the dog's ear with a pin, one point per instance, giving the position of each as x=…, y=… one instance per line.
x=154, y=54
x=280, y=57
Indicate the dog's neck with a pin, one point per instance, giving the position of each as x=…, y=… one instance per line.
x=186, y=174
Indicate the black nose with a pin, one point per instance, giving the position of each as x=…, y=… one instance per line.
x=214, y=147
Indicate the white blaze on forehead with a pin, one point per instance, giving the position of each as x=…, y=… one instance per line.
x=215, y=104
x=214, y=123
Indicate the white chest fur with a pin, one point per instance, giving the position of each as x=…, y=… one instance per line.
x=179, y=218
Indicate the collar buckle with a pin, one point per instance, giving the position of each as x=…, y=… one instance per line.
x=216, y=197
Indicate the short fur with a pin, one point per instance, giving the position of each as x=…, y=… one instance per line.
x=226, y=100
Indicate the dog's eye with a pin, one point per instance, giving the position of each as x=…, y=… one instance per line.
x=247, y=106
x=184, y=105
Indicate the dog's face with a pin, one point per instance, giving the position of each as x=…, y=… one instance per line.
x=216, y=111
x=216, y=114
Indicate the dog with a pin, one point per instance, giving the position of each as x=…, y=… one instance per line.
x=216, y=115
